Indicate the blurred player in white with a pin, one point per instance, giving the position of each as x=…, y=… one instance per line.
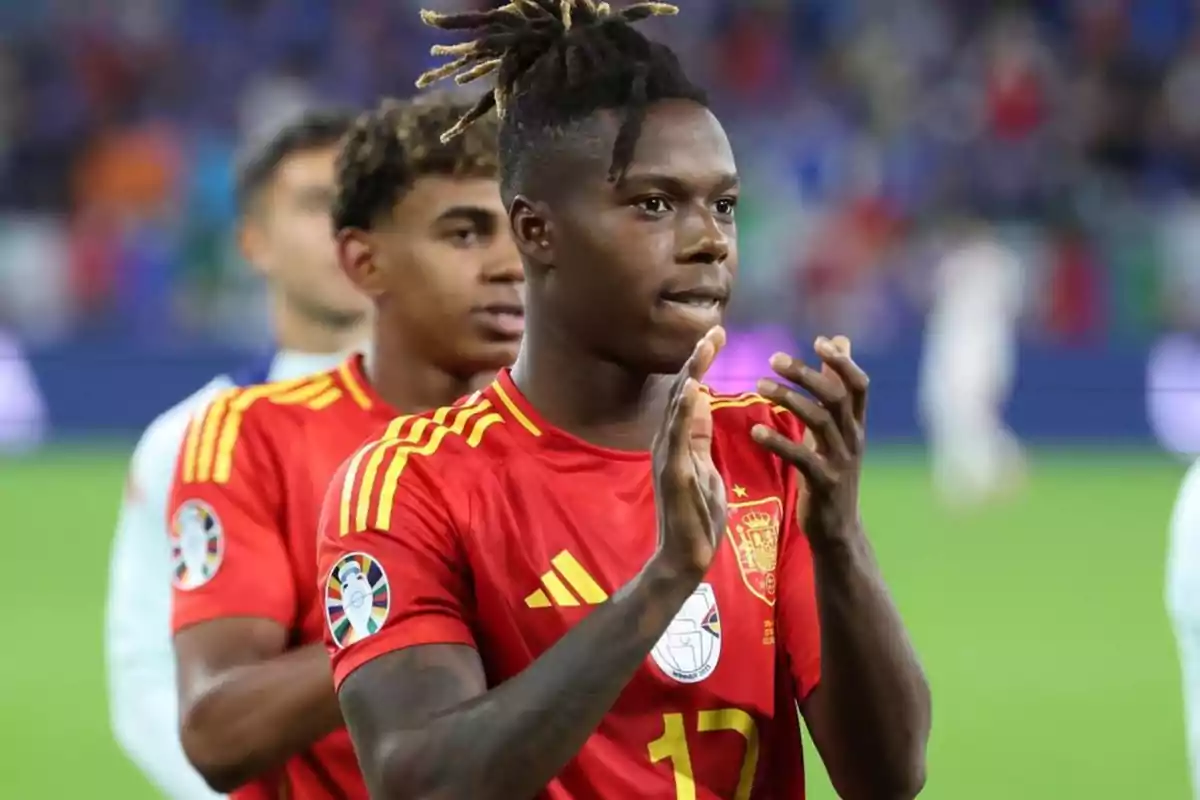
x=968, y=366
x=1183, y=603
x=285, y=192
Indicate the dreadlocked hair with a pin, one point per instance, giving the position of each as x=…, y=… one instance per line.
x=557, y=62
x=388, y=149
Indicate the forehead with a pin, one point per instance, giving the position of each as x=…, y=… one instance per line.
x=307, y=168
x=431, y=196
x=684, y=140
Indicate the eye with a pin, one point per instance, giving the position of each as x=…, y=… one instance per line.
x=653, y=205
x=464, y=237
x=725, y=206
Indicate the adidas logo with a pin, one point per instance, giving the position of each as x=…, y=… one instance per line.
x=566, y=585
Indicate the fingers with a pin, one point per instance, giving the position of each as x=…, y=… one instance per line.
x=816, y=418
x=705, y=354
x=815, y=469
x=835, y=353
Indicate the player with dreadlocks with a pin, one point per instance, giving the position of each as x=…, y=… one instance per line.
x=595, y=506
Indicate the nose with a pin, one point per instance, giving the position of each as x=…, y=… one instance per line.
x=503, y=264
x=703, y=239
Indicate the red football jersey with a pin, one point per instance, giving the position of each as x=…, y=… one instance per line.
x=483, y=525
x=244, y=510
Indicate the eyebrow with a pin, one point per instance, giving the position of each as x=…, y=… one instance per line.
x=476, y=215
x=671, y=183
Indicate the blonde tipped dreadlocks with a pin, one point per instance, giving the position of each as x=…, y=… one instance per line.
x=558, y=61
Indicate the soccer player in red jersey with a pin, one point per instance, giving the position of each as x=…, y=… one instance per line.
x=421, y=229
x=597, y=580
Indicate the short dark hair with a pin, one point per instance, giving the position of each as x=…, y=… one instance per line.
x=390, y=148
x=558, y=62
x=258, y=164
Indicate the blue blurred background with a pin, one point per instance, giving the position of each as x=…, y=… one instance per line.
x=860, y=127
x=858, y=124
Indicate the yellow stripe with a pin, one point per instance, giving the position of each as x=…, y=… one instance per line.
x=368, y=481
x=389, y=438
x=190, y=448
x=578, y=577
x=518, y=415
x=482, y=425
x=208, y=437
x=324, y=401
x=387, y=496
x=348, y=488
x=749, y=401
x=561, y=594
x=352, y=385
x=302, y=393
x=233, y=424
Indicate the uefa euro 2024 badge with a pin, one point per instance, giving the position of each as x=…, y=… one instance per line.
x=197, y=545
x=357, y=598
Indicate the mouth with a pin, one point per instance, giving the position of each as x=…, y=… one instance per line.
x=504, y=320
x=701, y=298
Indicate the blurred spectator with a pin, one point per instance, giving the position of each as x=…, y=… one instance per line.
x=859, y=126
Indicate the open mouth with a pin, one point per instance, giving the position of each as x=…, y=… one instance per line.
x=700, y=299
x=505, y=319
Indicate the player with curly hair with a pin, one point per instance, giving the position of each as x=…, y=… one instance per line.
x=421, y=230
x=598, y=579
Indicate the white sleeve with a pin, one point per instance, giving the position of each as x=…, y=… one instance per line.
x=143, y=702
x=1183, y=562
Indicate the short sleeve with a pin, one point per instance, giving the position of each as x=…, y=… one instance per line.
x=796, y=605
x=226, y=518
x=390, y=563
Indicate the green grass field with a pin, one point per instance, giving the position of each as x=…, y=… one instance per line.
x=1040, y=624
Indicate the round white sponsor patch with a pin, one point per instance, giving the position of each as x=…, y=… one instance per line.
x=197, y=545
x=691, y=646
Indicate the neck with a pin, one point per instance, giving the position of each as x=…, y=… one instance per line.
x=409, y=383
x=587, y=396
x=300, y=332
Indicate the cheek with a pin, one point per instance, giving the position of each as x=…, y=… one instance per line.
x=439, y=280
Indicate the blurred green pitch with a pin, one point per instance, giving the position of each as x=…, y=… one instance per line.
x=1040, y=624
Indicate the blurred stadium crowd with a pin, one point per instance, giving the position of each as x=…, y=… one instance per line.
x=861, y=125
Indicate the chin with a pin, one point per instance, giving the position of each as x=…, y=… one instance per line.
x=489, y=357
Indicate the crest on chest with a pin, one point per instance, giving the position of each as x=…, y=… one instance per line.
x=753, y=532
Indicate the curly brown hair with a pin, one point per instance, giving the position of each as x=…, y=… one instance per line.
x=388, y=149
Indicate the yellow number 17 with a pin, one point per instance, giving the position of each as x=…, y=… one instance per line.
x=673, y=746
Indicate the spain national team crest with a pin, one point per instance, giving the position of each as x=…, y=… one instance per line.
x=197, y=545
x=753, y=530
x=357, y=598
x=691, y=646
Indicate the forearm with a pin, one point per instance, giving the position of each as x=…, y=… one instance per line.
x=510, y=742
x=254, y=717
x=871, y=679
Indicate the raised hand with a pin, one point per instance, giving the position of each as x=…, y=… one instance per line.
x=830, y=457
x=689, y=493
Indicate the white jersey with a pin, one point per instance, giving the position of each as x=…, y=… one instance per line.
x=972, y=325
x=1183, y=603
x=141, y=663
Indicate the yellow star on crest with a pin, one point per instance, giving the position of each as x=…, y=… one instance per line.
x=739, y=491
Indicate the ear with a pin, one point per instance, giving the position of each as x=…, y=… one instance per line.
x=252, y=244
x=532, y=230
x=356, y=257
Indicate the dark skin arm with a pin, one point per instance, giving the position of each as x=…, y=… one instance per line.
x=247, y=703
x=423, y=722
x=425, y=726
x=870, y=715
